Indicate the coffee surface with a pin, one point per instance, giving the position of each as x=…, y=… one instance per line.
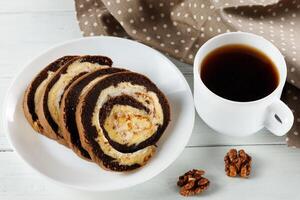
x=239, y=73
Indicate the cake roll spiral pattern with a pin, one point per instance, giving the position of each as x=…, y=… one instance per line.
x=33, y=92
x=106, y=115
x=49, y=105
x=68, y=106
x=120, y=119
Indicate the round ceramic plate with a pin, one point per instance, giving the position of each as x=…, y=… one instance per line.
x=60, y=163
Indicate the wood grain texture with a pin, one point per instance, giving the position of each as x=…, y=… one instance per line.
x=36, y=6
x=31, y=27
x=273, y=177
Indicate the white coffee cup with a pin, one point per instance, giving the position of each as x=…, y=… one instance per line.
x=242, y=118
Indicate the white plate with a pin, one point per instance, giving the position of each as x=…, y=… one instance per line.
x=61, y=164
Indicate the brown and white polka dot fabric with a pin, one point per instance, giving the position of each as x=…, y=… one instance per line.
x=179, y=27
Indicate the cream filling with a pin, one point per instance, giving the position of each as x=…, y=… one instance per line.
x=154, y=118
x=38, y=92
x=139, y=157
x=129, y=125
x=56, y=92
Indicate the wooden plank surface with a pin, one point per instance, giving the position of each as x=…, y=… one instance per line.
x=275, y=175
x=18, y=6
x=30, y=27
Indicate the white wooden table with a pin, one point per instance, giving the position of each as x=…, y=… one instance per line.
x=28, y=27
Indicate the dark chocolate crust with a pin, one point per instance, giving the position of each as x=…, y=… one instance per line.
x=89, y=131
x=54, y=127
x=29, y=104
x=70, y=100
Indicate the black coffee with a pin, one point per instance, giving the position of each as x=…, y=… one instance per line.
x=239, y=73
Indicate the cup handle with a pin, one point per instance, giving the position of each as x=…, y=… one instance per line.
x=279, y=119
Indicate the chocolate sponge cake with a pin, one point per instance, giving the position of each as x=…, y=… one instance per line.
x=33, y=92
x=68, y=106
x=120, y=119
x=49, y=106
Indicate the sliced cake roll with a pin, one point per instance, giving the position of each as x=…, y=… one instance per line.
x=49, y=106
x=33, y=92
x=68, y=106
x=120, y=119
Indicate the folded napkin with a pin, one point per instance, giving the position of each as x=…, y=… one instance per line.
x=179, y=27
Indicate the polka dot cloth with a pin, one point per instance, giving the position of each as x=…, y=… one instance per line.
x=179, y=27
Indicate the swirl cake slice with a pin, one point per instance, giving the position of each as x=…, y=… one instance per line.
x=49, y=106
x=33, y=92
x=68, y=107
x=120, y=119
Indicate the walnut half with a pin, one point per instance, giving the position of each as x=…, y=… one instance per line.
x=237, y=163
x=192, y=182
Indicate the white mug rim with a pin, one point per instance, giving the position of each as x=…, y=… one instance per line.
x=282, y=78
